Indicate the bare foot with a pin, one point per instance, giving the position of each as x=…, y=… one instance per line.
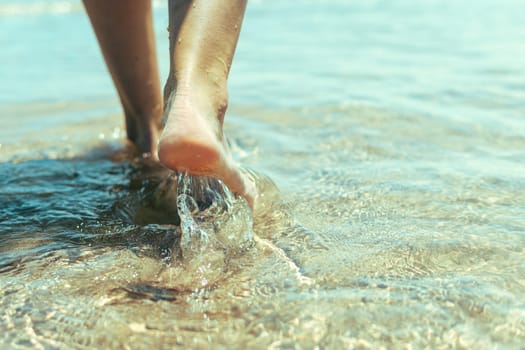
x=193, y=141
x=143, y=138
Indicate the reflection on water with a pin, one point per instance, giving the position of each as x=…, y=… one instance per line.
x=394, y=131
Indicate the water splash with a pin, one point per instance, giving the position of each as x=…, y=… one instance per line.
x=215, y=226
x=211, y=216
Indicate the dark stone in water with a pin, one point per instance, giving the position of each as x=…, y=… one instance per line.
x=146, y=291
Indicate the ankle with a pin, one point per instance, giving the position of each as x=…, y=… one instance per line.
x=208, y=95
x=144, y=132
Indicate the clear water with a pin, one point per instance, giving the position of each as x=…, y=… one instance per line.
x=394, y=130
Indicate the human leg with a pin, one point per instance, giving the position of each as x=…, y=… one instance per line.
x=203, y=37
x=124, y=31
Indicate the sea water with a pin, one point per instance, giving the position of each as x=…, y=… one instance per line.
x=389, y=139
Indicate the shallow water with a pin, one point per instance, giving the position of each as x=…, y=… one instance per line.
x=394, y=131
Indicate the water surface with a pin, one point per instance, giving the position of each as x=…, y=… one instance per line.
x=394, y=133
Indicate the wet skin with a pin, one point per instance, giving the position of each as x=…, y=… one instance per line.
x=203, y=36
